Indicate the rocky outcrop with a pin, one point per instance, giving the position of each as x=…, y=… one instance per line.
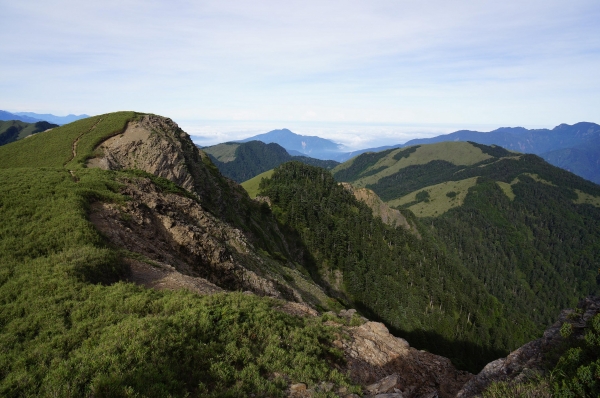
x=536, y=356
x=385, y=364
x=181, y=240
x=157, y=145
x=222, y=236
x=380, y=209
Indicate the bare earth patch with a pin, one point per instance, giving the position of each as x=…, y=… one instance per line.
x=164, y=277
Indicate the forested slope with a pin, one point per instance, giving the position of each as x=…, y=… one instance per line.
x=529, y=231
x=243, y=161
x=411, y=283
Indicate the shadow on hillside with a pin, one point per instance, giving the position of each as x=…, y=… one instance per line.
x=465, y=355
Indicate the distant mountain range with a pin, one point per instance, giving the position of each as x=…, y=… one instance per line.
x=243, y=161
x=13, y=130
x=32, y=117
x=575, y=148
x=301, y=145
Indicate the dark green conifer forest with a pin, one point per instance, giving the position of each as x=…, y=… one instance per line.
x=411, y=283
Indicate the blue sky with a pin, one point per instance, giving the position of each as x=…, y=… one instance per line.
x=360, y=72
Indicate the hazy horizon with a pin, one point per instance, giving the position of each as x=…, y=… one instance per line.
x=353, y=136
x=432, y=66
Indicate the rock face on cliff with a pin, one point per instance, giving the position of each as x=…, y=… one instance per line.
x=536, y=356
x=387, y=364
x=214, y=238
x=158, y=146
x=380, y=209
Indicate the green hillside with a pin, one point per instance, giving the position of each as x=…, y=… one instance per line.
x=369, y=168
x=56, y=148
x=243, y=161
x=13, y=130
x=223, y=153
x=436, y=199
x=70, y=327
x=252, y=186
x=409, y=282
x=529, y=231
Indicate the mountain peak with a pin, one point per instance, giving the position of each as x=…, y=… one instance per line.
x=296, y=144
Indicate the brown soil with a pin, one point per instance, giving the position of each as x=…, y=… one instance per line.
x=162, y=276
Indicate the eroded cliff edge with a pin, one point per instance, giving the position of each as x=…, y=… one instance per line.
x=213, y=232
x=537, y=357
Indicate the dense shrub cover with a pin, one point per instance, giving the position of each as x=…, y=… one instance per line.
x=67, y=330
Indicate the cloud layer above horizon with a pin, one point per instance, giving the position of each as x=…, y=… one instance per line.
x=528, y=63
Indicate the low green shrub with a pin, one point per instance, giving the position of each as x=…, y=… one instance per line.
x=66, y=329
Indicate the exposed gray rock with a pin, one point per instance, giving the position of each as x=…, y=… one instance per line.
x=384, y=385
x=347, y=313
x=532, y=358
x=209, y=237
x=380, y=209
x=387, y=364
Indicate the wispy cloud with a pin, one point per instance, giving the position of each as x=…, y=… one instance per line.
x=398, y=62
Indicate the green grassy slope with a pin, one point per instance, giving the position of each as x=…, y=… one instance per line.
x=252, y=185
x=224, y=152
x=68, y=328
x=369, y=168
x=54, y=148
x=439, y=198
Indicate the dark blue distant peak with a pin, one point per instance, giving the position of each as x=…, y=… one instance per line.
x=4, y=115
x=52, y=118
x=577, y=126
x=511, y=130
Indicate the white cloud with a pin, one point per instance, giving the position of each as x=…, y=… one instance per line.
x=397, y=62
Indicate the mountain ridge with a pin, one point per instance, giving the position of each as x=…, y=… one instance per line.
x=575, y=148
x=60, y=120
x=553, y=145
x=32, y=117
x=243, y=161
x=313, y=146
x=113, y=226
x=6, y=116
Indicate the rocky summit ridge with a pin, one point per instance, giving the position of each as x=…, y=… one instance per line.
x=177, y=241
x=179, y=224
x=198, y=235
x=195, y=242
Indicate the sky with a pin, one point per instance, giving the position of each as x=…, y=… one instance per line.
x=363, y=73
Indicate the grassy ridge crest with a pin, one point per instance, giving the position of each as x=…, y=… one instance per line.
x=54, y=148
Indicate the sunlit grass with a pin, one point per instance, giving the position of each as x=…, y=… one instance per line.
x=252, y=185
x=442, y=197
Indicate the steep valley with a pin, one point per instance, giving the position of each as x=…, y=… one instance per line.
x=129, y=266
